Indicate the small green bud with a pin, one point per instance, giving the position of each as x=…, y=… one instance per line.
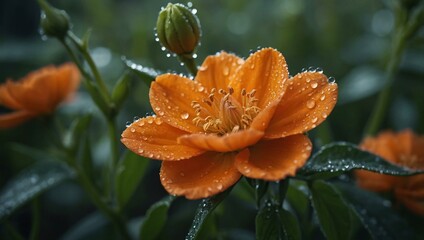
x=178, y=29
x=54, y=22
x=120, y=91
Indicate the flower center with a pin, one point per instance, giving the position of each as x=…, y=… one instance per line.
x=221, y=113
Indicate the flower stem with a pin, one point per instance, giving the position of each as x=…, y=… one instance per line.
x=113, y=216
x=113, y=137
x=381, y=107
x=189, y=63
x=35, y=228
x=85, y=53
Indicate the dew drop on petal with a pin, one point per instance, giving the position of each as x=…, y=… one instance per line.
x=141, y=123
x=310, y=104
x=240, y=61
x=331, y=80
x=324, y=115
x=150, y=120
x=132, y=130
x=314, y=120
x=226, y=71
x=322, y=98
x=140, y=151
x=219, y=187
x=314, y=84
x=158, y=121
x=185, y=116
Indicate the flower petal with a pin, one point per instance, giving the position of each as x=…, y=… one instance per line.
x=200, y=177
x=274, y=160
x=411, y=200
x=217, y=70
x=171, y=97
x=375, y=181
x=67, y=81
x=227, y=143
x=266, y=71
x=7, y=100
x=307, y=102
x=10, y=120
x=151, y=137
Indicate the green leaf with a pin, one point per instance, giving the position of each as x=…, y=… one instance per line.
x=297, y=196
x=204, y=209
x=268, y=225
x=120, y=90
x=376, y=214
x=339, y=157
x=333, y=213
x=145, y=73
x=290, y=225
x=31, y=182
x=78, y=128
x=129, y=173
x=155, y=219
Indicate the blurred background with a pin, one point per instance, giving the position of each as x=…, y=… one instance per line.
x=349, y=40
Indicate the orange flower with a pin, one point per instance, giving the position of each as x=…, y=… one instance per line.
x=406, y=150
x=236, y=118
x=37, y=93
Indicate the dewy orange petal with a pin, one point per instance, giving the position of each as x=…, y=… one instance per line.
x=171, y=97
x=307, y=101
x=200, y=177
x=153, y=138
x=6, y=99
x=265, y=72
x=274, y=160
x=217, y=70
x=227, y=143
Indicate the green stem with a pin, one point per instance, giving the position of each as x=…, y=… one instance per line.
x=35, y=228
x=12, y=232
x=85, y=53
x=113, y=137
x=380, y=109
x=324, y=133
x=113, y=216
x=283, y=186
x=189, y=63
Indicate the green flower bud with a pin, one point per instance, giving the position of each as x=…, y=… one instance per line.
x=54, y=22
x=178, y=29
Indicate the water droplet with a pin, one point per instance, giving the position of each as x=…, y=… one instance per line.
x=219, y=187
x=319, y=70
x=128, y=123
x=141, y=123
x=226, y=71
x=314, y=84
x=158, y=121
x=331, y=80
x=140, y=151
x=314, y=120
x=201, y=88
x=240, y=61
x=203, y=68
x=182, y=174
x=322, y=98
x=310, y=104
x=150, y=155
x=132, y=130
x=252, y=66
x=324, y=115
x=185, y=116
x=194, y=11
x=182, y=94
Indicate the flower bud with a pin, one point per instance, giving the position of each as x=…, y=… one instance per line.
x=178, y=29
x=54, y=22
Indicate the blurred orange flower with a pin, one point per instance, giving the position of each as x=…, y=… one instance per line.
x=236, y=118
x=37, y=93
x=406, y=150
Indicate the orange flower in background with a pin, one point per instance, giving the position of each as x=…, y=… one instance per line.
x=38, y=93
x=404, y=149
x=237, y=117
